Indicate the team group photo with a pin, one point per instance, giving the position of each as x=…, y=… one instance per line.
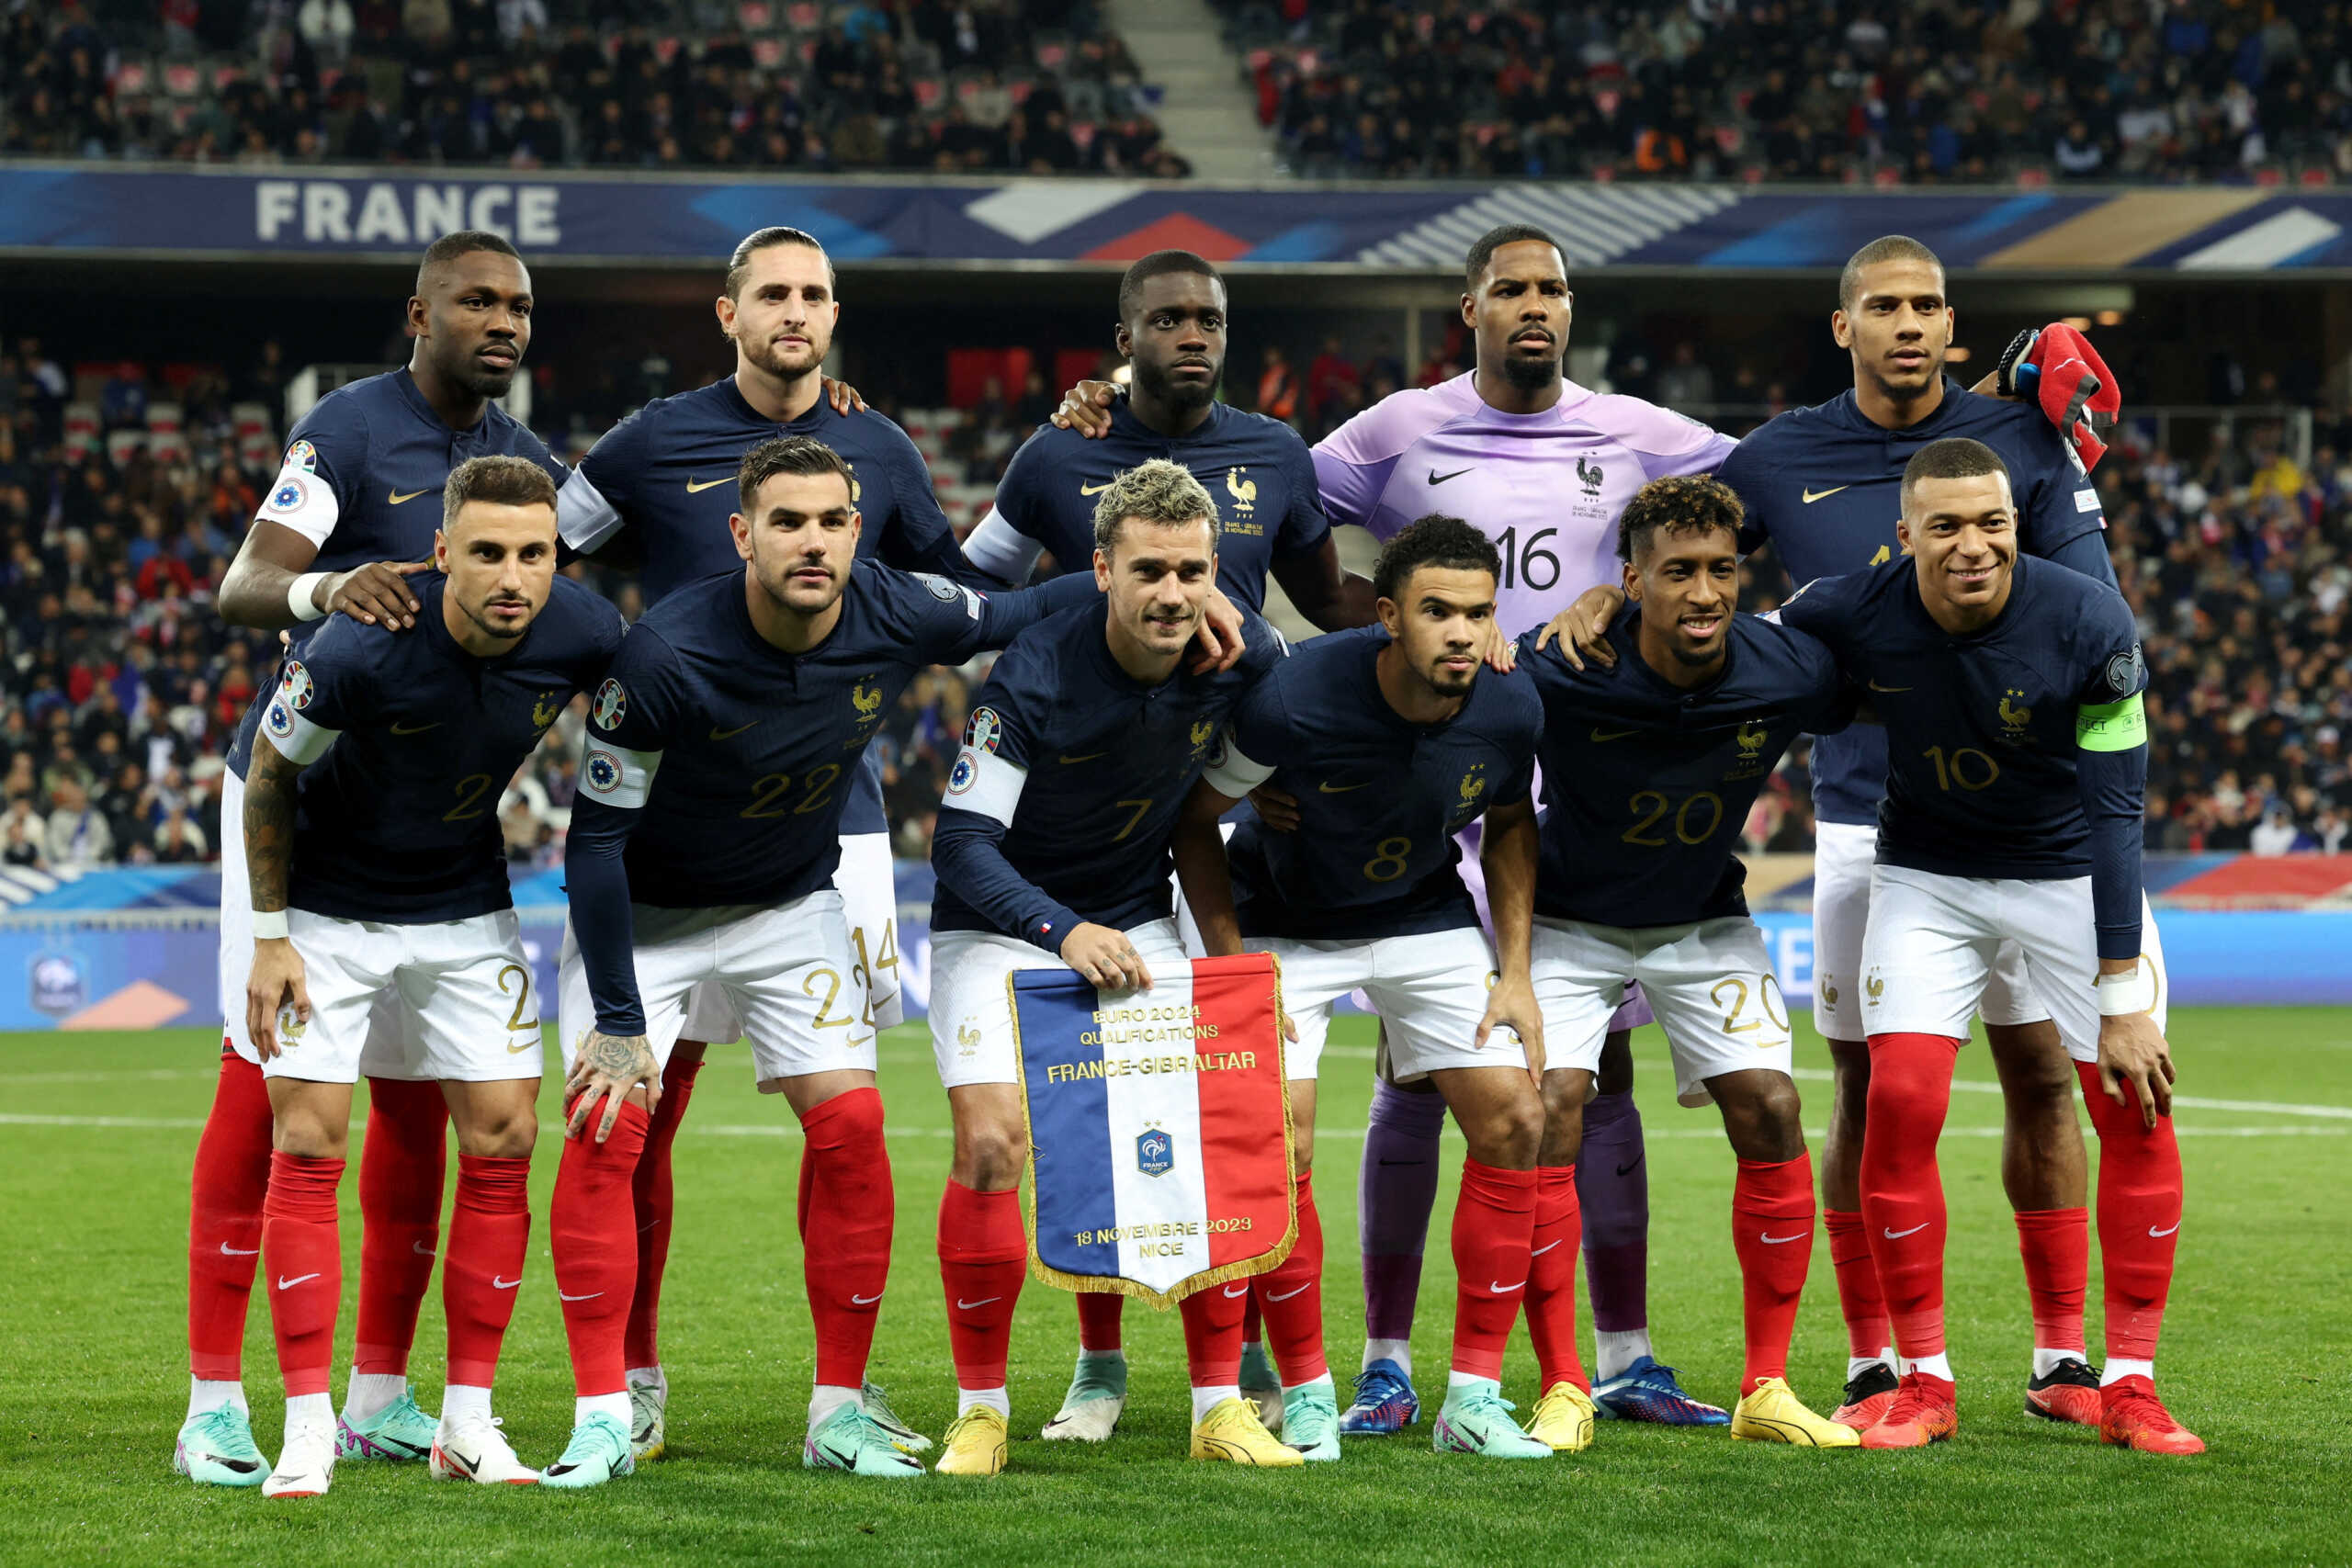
x=716, y=838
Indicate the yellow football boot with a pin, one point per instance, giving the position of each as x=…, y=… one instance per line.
x=1774, y=1414
x=1233, y=1431
x=973, y=1444
x=1564, y=1418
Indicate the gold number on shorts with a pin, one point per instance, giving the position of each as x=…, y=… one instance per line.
x=1739, y=1005
x=522, y=993
x=1651, y=816
x=832, y=994
x=1775, y=1006
x=889, y=949
x=765, y=794
x=821, y=785
x=471, y=789
x=1136, y=816
x=1387, y=862
x=1964, y=761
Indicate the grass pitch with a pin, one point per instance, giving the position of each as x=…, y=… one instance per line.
x=101, y=1130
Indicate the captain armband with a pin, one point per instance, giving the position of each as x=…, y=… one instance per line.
x=2111, y=727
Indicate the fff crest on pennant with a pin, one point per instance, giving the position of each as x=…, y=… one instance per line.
x=1155, y=1152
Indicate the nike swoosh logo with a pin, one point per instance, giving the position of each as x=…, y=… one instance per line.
x=416, y=728
x=1629, y=1170
x=1236, y=1294
x=2160, y=1235
x=696, y=487
x=228, y=1251
x=857, y=1299
x=1876, y=687
x=1095, y=490
x=963, y=1305
x=518, y=1050
x=1543, y=1249
x=420, y=1249
x=498, y=1285
x=396, y=498
x=1779, y=1240
x=589, y=1297
x=718, y=734
x=1599, y=734
x=1498, y=1288
x=1438, y=478
x=286, y=1284
x=1329, y=788
x=450, y=1455
x=1811, y=495
x=1088, y=758
x=1286, y=1294
x=1898, y=1235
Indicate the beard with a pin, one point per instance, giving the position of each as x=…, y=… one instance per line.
x=479, y=616
x=1531, y=375
x=1183, y=397
x=765, y=355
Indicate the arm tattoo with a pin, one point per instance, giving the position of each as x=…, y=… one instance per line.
x=269, y=824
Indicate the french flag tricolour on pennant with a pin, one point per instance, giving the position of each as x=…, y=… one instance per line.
x=1159, y=1128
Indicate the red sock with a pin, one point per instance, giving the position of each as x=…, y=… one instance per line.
x=402, y=1164
x=490, y=1234
x=1494, y=1227
x=1213, y=1334
x=2056, y=1244
x=2139, y=1218
x=1772, y=1231
x=1903, y=1194
x=1552, y=1278
x=1866, y=1331
x=1099, y=1315
x=983, y=1254
x=847, y=1212
x=653, y=1208
x=302, y=1250
x=591, y=1227
x=224, y=1218
x=1292, y=1298
x=1254, y=1321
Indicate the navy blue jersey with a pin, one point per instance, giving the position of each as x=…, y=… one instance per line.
x=667, y=473
x=410, y=740
x=1257, y=469
x=1980, y=728
x=1380, y=799
x=1823, y=485
x=363, y=470
x=362, y=480
x=1061, y=805
x=1647, y=786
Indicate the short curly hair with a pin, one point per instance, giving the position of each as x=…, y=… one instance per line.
x=1681, y=504
x=1157, y=491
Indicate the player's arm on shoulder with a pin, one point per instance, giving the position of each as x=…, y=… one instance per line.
x=971, y=622
x=1506, y=854
x=269, y=585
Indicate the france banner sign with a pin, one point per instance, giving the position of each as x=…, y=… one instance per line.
x=1159, y=1128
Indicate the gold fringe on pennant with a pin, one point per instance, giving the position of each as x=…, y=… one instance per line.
x=1192, y=1284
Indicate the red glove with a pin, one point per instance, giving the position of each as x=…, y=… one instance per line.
x=2058, y=368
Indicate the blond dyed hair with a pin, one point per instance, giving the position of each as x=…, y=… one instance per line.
x=1158, y=492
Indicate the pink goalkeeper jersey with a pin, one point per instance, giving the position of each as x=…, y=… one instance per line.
x=1548, y=488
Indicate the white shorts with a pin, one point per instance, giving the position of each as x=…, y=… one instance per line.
x=1933, y=939
x=788, y=971
x=1843, y=854
x=465, y=987
x=383, y=1055
x=1430, y=990
x=972, y=1006
x=1710, y=984
x=870, y=904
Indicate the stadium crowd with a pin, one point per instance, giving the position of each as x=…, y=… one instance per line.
x=122, y=688
x=1038, y=87
x=2116, y=90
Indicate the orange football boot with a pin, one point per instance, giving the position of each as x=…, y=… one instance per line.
x=1924, y=1410
x=2136, y=1418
